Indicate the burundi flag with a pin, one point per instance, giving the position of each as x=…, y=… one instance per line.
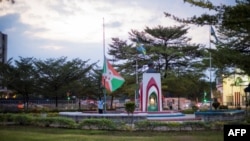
x=213, y=34
x=140, y=48
x=111, y=79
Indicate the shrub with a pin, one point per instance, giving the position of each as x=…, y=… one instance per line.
x=216, y=104
x=218, y=125
x=194, y=125
x=97, y=124
x=130, y=107
x=195, y=108
x=223, y=107
x=61, y=122
x=6, y=117
x=188, y=111
x=23, y=119
x=148, y=125
x=248, y=119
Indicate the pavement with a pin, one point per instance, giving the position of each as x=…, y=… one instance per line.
x=185, y=117
x=154, y=116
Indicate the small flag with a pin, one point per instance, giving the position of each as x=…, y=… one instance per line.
x=140, y=48
x=213, y=34
x=111, y=79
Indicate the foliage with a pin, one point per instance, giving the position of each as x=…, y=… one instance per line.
x=218, y=125
x=97, y=124
x=189, y=111
x=6, y=117
x=232, y=22
x=20, y=77
x=51, y=78
x=22, y=119
x=195, y=107
x=223, y=107
x=195, y=125
x=170, y=126
x=107, y=124
x=130, y=107
x=175, y=58
x=216, y=104
x=146, y=125
x=61, y=122
x=10, y=1
x=248, y=119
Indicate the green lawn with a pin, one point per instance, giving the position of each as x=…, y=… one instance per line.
x=26, y=133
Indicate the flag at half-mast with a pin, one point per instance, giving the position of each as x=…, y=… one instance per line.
x=140, y=48
x=213, y=34
x=111, y=79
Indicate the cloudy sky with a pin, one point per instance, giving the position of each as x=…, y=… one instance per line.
x=74, y=28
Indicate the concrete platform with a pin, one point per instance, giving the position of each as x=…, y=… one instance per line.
x=154, y=116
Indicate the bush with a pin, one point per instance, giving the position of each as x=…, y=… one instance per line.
x=216, y=104
x=61, y=122
x=248, y=119
x=7, y=117
x=146, y=125
x=97, y=124
x=130, y=107
x=188, y=111
x=223, y=107
x=23, y=119
x=194, y=125
x=195, y=108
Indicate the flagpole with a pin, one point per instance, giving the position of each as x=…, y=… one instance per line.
x=137, y=78
x=137, y=82
x=103, y=39
x=104, y=89
x=210, y=67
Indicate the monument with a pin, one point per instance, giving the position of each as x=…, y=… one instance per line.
x=150, y=91
x=150, y=107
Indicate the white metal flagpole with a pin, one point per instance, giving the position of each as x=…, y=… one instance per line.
x=103, y=38
x=137, y=83
x=104, y=89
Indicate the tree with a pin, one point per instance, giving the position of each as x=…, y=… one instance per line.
x=92, y=87
x=123, y=52
x=234, y=31
x=130, y=108
x=22, y=78
x=5, y=73
x=54, y=74
x=233, y=24
x=173, y=55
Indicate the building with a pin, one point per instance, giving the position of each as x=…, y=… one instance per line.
x=3, y=51
x=3, y=47
x=232, y=89
x=175, y=103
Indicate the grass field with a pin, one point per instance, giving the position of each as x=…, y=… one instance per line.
x=26, y=133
